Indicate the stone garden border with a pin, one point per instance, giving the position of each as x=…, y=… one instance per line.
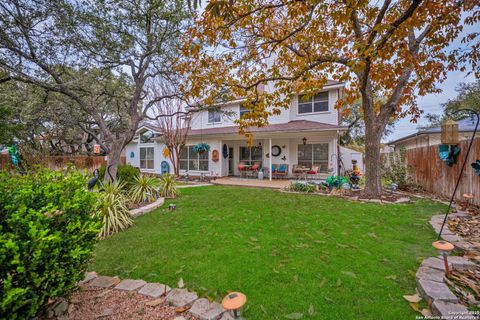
x=405, y=199
x=161, y=293
x=147, y=208
x=430, y=276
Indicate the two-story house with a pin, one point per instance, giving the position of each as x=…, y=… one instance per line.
x=306, y=134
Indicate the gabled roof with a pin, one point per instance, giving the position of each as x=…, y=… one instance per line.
x=292, y=126
x=464, y=125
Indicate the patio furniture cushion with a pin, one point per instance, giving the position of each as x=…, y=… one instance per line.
x=255, y=167
x=282, y=168
x=274, y=168
x=312, y=172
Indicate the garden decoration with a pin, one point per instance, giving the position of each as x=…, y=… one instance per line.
x=449, y=154
x=444, y=248
x=215, y=156
x=234, y=302
x=476, y=167
x=335, y=182
x=16, y=159
x=132, y=154
x=466, y=201
x=355, y=176
x=92, y=182
x=165, y=167
x=172, y=207
x=186, y=177
x=225, y=151
x=201, y=147
x=464, y=162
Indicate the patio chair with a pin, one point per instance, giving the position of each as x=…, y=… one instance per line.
x=314, y=172
x=242, y=168
x=253, y=172
x=296, y=173
x=282, y=171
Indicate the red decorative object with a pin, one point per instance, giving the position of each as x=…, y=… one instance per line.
x=96, y=148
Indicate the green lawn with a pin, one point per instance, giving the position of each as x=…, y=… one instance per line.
x=288, y=253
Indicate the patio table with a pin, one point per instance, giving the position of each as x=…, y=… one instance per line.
x=303, y=172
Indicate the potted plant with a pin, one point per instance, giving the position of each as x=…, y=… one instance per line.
x=201, y=147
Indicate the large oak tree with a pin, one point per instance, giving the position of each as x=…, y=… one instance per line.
x=388, y=52
x=53, y=43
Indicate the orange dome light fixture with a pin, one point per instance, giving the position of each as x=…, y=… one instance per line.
x=444, y=248
x=234, y=302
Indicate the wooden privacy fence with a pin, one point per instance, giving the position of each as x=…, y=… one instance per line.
x=436, y=177
x=57, y=162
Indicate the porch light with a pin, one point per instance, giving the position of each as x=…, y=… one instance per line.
x=444, y=248
x=304, y=141
x=234, y=302
x=449, y=132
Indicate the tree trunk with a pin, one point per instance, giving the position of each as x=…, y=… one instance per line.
x=113, y=160
x=373, y=135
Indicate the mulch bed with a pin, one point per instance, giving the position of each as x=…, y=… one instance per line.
x=466, y=286
x=106, y=304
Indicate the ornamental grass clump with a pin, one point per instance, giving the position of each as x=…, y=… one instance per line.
x=168, y=186
x=47, y=234
x=144, y=189
x=113, y=209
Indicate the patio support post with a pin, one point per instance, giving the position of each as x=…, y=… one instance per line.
x=270, y=159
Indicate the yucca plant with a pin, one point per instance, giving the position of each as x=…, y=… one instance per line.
x=145, y=188
x=113, y=209
x=168, y=186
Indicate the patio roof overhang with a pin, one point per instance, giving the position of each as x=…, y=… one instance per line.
x=292, y=128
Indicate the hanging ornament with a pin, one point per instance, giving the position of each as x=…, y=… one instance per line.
x=166, y=152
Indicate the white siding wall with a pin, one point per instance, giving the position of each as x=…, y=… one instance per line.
x=158, y=156
x=200, y=120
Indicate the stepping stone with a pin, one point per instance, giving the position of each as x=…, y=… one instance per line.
x=435, y=263
x=451, y=238
x=203, y=309
x=227, y=316
x=452, y=311
x=403, y=200
x=130, y=285
x=432, y=291
x=425, y=273
x=104, y=282
x=154, y=290
x=461, y=263
x=89, y=276
x=181, y=297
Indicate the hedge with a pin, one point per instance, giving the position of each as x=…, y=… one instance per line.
x=47, y=234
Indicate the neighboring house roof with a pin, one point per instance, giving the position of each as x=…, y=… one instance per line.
x=464, y=125
x=292, y=126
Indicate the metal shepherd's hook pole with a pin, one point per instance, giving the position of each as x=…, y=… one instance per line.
x=463, y=165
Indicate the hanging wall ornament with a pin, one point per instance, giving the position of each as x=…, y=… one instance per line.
x=215, y=156
x=225, y=151
x=166, y=152
x=476, y=167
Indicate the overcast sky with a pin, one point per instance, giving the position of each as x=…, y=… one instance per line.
x=432, y=103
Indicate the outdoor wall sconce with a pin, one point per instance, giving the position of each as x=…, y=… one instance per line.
x=449, y=134
x=304, y=141
x=234, y=302
x=444, y=248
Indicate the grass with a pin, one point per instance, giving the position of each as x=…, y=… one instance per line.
x=322, y=257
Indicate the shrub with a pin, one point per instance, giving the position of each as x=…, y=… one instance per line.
x=113, y=209
x=126, y=172
x=395, y=169
x=168, y=186
x=47, y=234
x=302, y=187
x=145, y=188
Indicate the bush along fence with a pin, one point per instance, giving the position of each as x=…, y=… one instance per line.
x=59, y=162
x=431, y=173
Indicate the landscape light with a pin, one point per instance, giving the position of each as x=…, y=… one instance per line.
x=234, y=302
x=444, y=248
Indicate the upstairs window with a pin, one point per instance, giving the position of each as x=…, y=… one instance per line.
x=214, y=116
x=316, y=103
x=243, y=110
x=146, y=137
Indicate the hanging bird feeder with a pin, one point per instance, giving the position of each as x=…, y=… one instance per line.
x=449, y=132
